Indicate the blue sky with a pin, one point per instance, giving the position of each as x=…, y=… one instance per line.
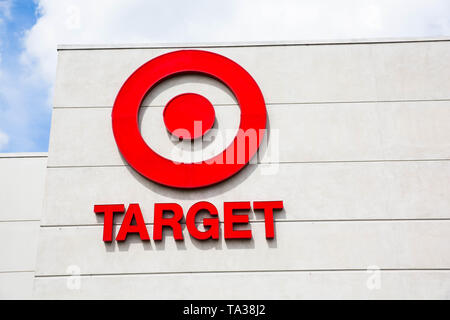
x=31, y=29
x=24, y=111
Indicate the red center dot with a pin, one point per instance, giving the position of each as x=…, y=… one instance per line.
x=188, y=116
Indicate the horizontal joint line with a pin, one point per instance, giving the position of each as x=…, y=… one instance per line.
x=265, y=163
x=236, y=271
x=275, y=103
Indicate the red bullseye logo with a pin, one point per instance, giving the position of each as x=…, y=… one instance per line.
x=181, y=116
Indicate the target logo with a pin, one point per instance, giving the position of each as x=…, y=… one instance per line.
x=188, y=116
x=183, y=113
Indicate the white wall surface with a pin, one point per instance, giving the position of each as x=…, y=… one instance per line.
x=21, y=195
x=334, y=284
x=285, y=74
x=305, y=133
x=363, y=169
x=21, y=187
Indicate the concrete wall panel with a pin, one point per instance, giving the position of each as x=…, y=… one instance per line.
x=22, y=186
x=19, y=245
x=254, y=285
x=286, y=74
x=311, y=191
x=297, y=246
x=306, y=133
x=16, y=285
x=21, y=197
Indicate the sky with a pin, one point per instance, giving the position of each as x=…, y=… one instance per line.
x=30, y=31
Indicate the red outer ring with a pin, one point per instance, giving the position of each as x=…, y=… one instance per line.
x=186, y=175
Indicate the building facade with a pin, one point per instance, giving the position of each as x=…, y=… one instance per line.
x=357, y=147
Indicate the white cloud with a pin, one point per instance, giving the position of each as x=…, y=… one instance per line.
x=4, y=140
x=135, y=21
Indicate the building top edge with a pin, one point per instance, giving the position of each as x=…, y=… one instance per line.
x=24, y=155
x=245, y=44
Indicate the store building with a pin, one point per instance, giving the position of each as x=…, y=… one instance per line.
x=356, y=146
